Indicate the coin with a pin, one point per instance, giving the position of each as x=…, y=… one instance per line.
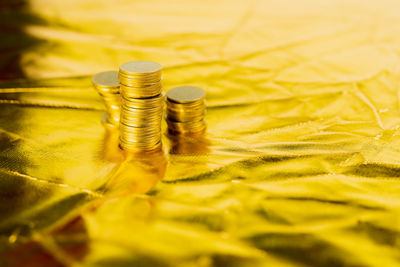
x=185, y=94
x=186, y=128
x=186, y=110
x=186, y=117
x=138, y=80
x=107, y=85
x=142, y=105
x=107, y=79
x=141, y=91
x=140, y=68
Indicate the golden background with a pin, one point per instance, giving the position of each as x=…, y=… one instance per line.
x=299, y=167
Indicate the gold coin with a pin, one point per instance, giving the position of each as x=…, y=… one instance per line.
x=145, y=130
x=139, y=68
x=185, y=94
x=142, y=87
x=186, y=107
x=185, y=117
x=108, y=93
x=135, y=148
x=144, y=114
x=146, y=146
x=107, y=85
x=144, y=103
x=137, y=140
x=193, y=112
x=139, y=131
x=140, y=83
x=139, y=143
x=139, y=80
x=140, y=138
x=200, y=131
x=140, y=92
x=186, y=110
x=132, y=120
x=197, y=110
x=131, y=115
x=187, y=131
x=140, y=124
x=106, y=81
x=186, y=126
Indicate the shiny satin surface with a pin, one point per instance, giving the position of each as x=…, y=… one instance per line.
x=299, y=165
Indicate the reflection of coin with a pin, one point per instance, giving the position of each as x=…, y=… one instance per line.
x=189, y=144
x=185, y=94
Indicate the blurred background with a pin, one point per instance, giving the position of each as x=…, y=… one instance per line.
x=299, y=166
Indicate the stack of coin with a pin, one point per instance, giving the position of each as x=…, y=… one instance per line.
x=142, y=105
x=186, y=109
x=107, y=85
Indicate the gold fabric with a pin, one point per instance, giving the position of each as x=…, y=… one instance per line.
x=299, y=166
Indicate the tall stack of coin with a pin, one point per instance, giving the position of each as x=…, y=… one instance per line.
x=107, y=85
x=186, y=109
x=142, y=105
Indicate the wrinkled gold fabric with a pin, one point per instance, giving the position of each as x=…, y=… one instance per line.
x=299, y=166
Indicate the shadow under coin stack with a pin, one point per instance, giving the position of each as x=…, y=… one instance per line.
x=142, y=105
x=186, y=109
x=107, y=85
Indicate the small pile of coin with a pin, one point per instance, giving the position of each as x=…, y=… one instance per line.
x=107, y=85
x=186, y=109
x=142, y=105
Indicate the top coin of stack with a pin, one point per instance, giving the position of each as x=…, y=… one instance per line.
x=142, y=105
x=140, y=79
x=186, y=109
x=107, y=85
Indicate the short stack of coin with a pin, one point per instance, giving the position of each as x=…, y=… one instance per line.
x=107, y=85
x=186, y=110
x=142, y=105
